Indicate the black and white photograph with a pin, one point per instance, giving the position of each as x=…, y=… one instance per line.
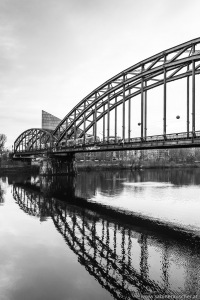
x=99, y=150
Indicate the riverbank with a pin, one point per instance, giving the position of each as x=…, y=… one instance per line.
x=13, y=169
x=113, y=165
x=101, y=165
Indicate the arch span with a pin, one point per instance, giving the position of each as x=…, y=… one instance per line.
x=173, y=64
x=34, y=139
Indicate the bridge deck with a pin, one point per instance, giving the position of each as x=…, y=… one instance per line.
x=178, y=140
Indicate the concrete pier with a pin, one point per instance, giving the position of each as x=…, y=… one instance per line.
x=58, y=165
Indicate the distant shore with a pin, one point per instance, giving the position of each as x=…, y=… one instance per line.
x=103, y=165
x=4, y=170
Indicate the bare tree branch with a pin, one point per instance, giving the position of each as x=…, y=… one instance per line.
x=3, y=139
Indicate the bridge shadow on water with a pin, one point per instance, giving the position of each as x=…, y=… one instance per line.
x=130, y=256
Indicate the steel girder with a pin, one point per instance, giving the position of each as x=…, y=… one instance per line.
x=169, y=65
x=34, y=139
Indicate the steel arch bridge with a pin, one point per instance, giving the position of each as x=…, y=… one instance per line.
x=110, y=104
x=35, y=139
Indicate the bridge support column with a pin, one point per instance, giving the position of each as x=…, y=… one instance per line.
x=58, y=166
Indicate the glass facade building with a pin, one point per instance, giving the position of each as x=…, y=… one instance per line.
x=49, y=121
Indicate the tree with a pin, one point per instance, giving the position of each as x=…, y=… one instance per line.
x=1, y=196
x=3, y=139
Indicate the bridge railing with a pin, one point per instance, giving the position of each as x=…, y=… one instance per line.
x=120, y=141
x=113, y=141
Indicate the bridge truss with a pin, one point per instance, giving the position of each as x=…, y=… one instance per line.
x=35, y=139
x=110, y=103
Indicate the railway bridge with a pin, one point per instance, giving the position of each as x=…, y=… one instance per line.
x=105, y=120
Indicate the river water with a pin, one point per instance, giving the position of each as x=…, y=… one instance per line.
x=101, y=235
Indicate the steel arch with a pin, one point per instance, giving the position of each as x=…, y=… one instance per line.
x=169, y=65
x=34, y=139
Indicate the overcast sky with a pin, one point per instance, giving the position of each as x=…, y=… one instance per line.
x=54, y=52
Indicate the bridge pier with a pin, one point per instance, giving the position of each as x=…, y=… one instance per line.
x=58, y=166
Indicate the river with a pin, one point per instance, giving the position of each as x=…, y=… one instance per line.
x=101, y=235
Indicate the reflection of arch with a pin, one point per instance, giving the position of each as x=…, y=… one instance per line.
x=34, y=139
x=30, y=202
x=170, y=65
x=79, y=228
x=26, y=201
x=105, y=247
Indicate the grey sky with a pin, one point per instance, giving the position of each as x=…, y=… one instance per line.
x=54, y=52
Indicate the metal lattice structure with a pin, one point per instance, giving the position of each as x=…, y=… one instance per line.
x=34, y=139
x=167, y=66
x=116, y=96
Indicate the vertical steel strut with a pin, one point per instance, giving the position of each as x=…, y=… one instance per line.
x=66, y=128
x=93, y=127
x=104, y=123
x=145, y=112
x=84, y=125
x=188, y=102
x=116, y=121
x=142, y=104
x=75, y=125
x=129, y=117
x=164, y=100
x=95, y=119
x=108, y=116
x=32, y=136
x=193, y=94
x=123, y=109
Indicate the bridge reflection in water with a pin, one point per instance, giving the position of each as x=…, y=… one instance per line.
x=129, y=261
